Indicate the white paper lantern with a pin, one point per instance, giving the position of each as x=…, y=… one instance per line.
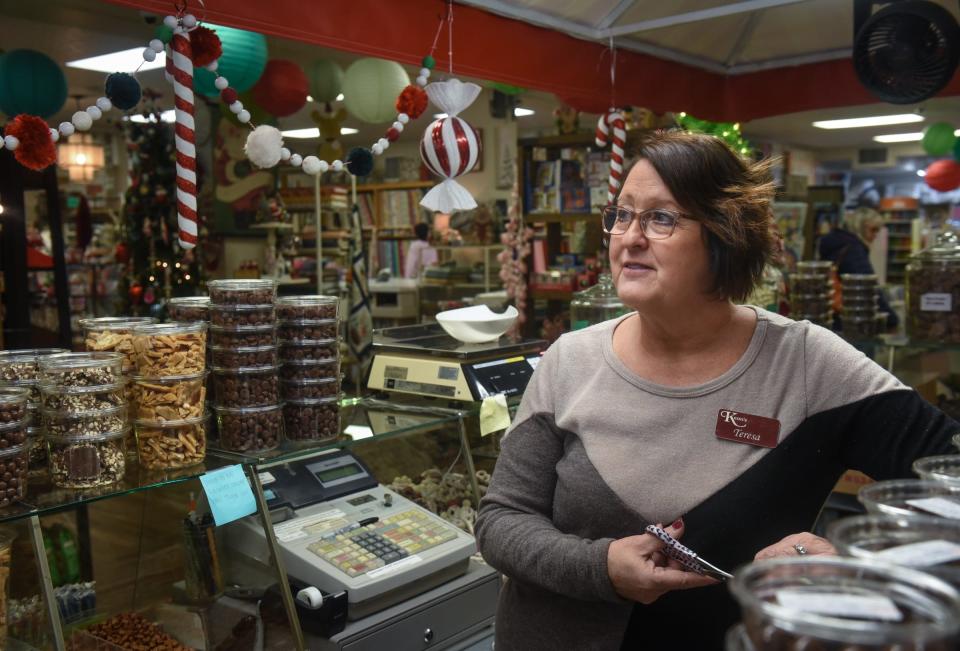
x=370, y=89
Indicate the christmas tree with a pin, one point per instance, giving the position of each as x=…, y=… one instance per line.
x=157, y=268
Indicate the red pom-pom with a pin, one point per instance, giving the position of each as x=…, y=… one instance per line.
x=229, y=96
x=36, y=149
x=392, y=134
x=205, y=45
x=412, y=101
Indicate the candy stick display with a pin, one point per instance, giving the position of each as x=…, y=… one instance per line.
x=614, y=121
x=185, y=139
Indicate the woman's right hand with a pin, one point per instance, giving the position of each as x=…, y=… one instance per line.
x=639, y=570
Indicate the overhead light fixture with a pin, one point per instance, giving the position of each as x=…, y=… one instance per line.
x=81, y=157
x=520, y=112
x=876, y=121
x=314, y=132
x=340, y=97
x=309, y=98
x=122, y=61
x=900, y=137
x=169, y=116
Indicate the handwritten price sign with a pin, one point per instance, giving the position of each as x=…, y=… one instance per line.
x=228, y=494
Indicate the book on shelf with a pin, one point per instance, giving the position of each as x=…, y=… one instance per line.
x=391, y=254
x=401, y=208
x=559, y=186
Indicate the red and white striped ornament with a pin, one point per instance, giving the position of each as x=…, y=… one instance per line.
x=613, y=122
x=185, y=139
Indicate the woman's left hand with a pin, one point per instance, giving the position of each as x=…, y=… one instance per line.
x=793, y=544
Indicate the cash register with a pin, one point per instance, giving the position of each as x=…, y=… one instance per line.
x=339, y=529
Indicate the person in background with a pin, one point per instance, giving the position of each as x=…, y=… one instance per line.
x=848, y=247
x=421, y=254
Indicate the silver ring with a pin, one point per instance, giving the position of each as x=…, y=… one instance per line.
x=801, y=550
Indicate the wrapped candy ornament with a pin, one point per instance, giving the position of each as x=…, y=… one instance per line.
x=450, y=147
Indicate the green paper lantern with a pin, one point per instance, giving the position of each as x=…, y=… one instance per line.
x=956, y=150
x=326, y=80
x=938, y=139
x=243, y=60
x=164, y=33
x=371, y=87
x=31, y=82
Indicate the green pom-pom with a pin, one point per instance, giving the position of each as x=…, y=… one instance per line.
x=429, y=62
x=163, y=33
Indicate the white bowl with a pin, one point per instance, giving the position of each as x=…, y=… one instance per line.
x=476, y=324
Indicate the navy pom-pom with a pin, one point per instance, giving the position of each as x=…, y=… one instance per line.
x=123, y=90
x=360, y=161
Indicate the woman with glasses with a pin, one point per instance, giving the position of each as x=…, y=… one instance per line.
x=726, y=424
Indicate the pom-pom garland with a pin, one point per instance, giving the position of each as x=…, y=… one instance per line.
x=264, y=146
x=82, y=121
x=122, y=90
x=34, y=147
x=412, y=102
x=360, y=161
x=228, y=95
x=206, y=46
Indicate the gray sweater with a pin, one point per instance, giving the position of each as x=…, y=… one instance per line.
x=596, y=453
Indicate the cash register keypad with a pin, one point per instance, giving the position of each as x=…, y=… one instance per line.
x=392, y=539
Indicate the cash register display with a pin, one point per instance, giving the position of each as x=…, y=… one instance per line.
x=338, y=472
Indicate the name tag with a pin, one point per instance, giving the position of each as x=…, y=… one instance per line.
x=739, y=427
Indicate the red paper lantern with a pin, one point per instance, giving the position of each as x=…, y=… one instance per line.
x=943, y=175
x=282, y=89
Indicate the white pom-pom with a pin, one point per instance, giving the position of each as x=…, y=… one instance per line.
x=66, y=129
x=11, y=142
x=403, y=118
x=425, y=73
x=149, y=55
x=244, y=116
x=398, y=125
x=236, y=107
x=189, y=21
x=296, y=160
x=264, y=146
x=104, y=104
x=337, y=165
x=212, y=66
x=384, y=143
x=421, y=81
x=311, y=165
x=156, y=45
x=324, y=166
x=284, y=153
x=221, y=83
x=94, y=112
x=82, y=121
x=376, y=149
x=170, y=21
x=54, y=135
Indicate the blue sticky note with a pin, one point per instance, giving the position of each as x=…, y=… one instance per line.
x=228, y=494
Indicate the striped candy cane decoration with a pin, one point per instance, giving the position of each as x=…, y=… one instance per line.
x=185, y=139
x=613, y=120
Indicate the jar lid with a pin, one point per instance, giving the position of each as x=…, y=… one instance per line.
x=240, y=411
x=327, y=361
x=306, y=301
x=50, y=388
x=307, y=342
x=311, y=402
x=266, y=368
x=175, y=328
x=809, y=276
x=241, y=307
x=946, y=248
x=72, y=414
x=22, y=354
x=310, y=381
x=87, y=438
x=241, y=284
x=307, y=322
x=168, y=379
x=164, y=424
x=943, y=467
x=814, y=265
x=12, y=450
x=602, y=295
x=866, y=536
x=244, y=328
x=243, y=349
x=66, y=361
x=115, y=322
x=17, y=424
x=191, y=301
x=861, y=279
x=13, y=395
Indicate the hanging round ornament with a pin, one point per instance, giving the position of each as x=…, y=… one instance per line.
x=326, y=80
x=31, y=82
x=943, y=175
x=370, y=89
x=243, y=60
x=449, y=146
x=938, y=139
x=282, y=88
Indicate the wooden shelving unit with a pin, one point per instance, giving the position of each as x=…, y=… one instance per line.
x=901, y=216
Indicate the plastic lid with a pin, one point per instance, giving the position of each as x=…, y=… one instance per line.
x=944, y=467
x=175, y=328
x=945, y=248
x=603, y=294
x=30, y=353
x=168, y=379
x=310, y=380
x=12, y=450
x=242, y=307
x=891, y=496
x=307, y=322
x=13, y=395
x=72, y=414
x=306, y=301
x=191, y=301
x=859, y=278
x=308, y=402
x=266, y=368
x=17, y=424
x=244, y=328
x=866, y=536
x=58, y=389
x=239, y=411
x=66, y=361
x=808, y=276
x=311, y=362
x=115, y=322
x=814, y=265
x=87, y=438
x=244, y=349
x=163, y=424
x=307, y=342
x=240, y=284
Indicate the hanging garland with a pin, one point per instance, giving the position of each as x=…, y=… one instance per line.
x=729, y=132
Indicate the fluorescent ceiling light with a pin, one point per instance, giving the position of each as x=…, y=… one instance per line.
x=521, y=112
x=122, y=61
x=876, y=121
x=900, y=137
x=169, y=116
x=306, y=134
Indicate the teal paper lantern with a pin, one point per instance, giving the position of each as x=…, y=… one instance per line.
x=956, y=150
x=938, y=139
x=243, y=60
x=326, y=80
x=370, y=89
x=31, y=82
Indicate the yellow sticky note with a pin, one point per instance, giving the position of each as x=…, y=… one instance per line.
x=494, y=415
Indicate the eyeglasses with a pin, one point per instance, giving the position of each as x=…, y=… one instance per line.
x=656, y=223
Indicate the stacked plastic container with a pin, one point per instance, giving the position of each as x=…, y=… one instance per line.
x=14, y=445
x=85, y=418
x=860, y=317
x=811, y=292
x=246, y=392
x=169, y=394
x=310, y=367
x=21, y=368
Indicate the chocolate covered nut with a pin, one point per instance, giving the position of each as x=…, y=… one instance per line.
x=230, y=316
x=248, y=337
x=325, y=349
x=86, y=461
x=307, y=307
x=188, y=308
x=313, y=420
x=24, y=364
x=310, y=369
x=250, y=430
x=14, y=463
x=169, y=399
x=13, y=434
x=13, y=404
x=78, y=399
x=242, y=292
x=81, y=369
x=309, y=389
x=176, y=444
x=307, y=329
x=246, y=386
x=248, y=356
x=171, y=349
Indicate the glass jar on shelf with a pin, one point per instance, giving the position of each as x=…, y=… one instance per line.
x=933, y=291
x=596, y=304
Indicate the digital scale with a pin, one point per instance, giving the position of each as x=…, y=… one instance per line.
x=423, y=360
x=339, y=529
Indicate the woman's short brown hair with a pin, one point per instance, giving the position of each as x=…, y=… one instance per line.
x=728, y=195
